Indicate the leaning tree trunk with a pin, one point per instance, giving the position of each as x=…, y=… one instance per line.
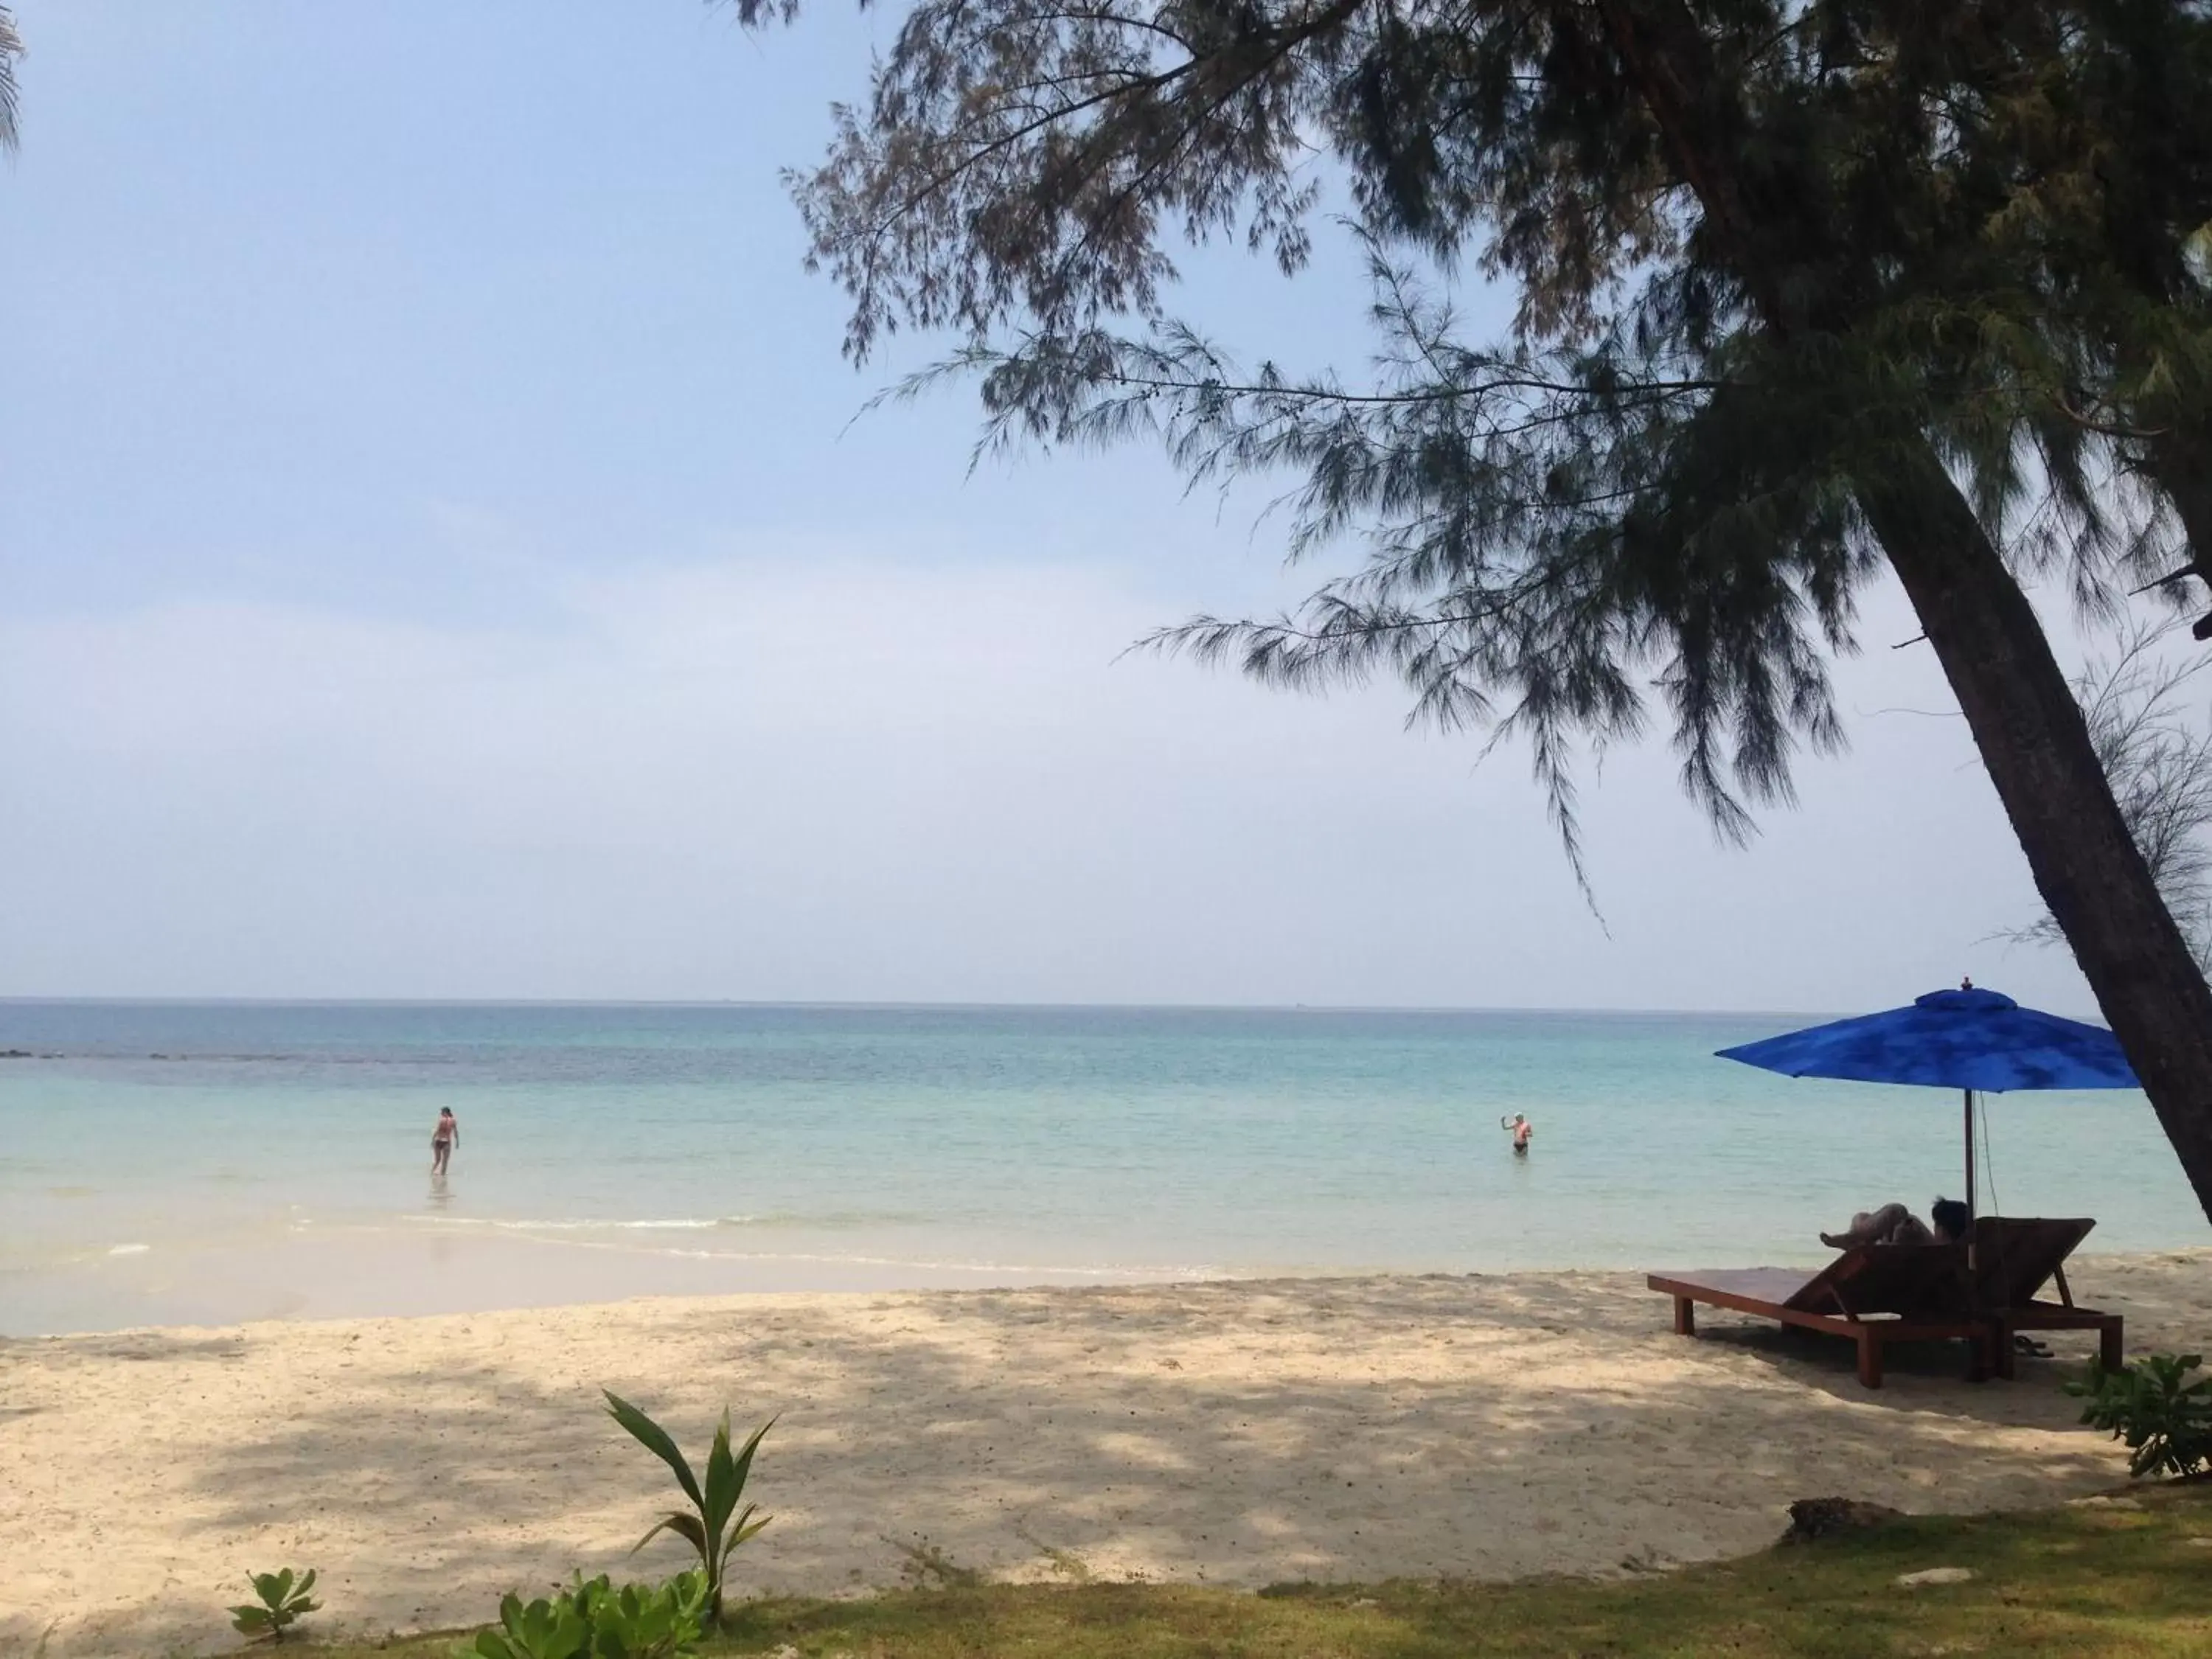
x=2036, y=747
x=2016, y=700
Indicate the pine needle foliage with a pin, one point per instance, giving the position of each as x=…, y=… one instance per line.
x=1956, y=229
x=11, y=48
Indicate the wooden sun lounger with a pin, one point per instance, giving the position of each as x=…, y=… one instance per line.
x=1874, y=1294
x=2014, y=1258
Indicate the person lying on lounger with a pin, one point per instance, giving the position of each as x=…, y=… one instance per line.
x=1893, y=1224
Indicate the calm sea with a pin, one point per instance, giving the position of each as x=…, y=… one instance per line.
x=760, y=1146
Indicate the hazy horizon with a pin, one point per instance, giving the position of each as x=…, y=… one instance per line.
x=862, y=1006
x=865, y=1006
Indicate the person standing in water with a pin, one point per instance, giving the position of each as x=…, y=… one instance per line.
x=443, y=1139
x=1523, y=1131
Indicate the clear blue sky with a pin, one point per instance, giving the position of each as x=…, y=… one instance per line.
x=435, y=560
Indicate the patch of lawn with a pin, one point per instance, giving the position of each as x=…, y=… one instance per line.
x=2103, y=1580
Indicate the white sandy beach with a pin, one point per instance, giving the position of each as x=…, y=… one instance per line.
x=1232, y=1433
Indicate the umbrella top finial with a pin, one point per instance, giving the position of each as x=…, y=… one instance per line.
x=1966, y=982
x=1969, y=998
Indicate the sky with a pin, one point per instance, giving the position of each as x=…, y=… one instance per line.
x=440, y=557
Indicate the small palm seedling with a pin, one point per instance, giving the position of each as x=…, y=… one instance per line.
x=713, y=1526
x=284, y=1600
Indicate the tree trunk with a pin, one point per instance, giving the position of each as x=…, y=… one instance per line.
x=2016, y=700
x=2036, y=746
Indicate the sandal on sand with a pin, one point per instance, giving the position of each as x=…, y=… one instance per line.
x=2031, y=1347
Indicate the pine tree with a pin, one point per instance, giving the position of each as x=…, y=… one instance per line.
x=1802, y=289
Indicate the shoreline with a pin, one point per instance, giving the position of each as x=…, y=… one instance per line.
x=307, y=1275
x=1231, y=1431
x=304, y=1275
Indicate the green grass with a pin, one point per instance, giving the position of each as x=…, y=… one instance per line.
x=2079, y=1580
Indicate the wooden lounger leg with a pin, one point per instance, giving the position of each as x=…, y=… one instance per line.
x=2002, y=1349
x=1686, y=1321
x=2110, y=1349
x=1870, y=1359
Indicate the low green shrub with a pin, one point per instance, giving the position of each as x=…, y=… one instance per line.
x=284, y=1601
x=592, y=1620
x=2165, y=1420
x=713, y=1526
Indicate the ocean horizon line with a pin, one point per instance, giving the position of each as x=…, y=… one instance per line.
x=927, y=1005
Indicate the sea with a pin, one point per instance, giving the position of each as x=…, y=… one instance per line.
x=175, y=1162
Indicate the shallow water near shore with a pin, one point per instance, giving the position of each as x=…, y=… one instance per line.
x=173, y=1163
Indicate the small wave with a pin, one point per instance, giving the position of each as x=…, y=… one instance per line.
x=129, y=1250
x=683, y=1224
x=1175, y=1274
x=841, y=1220
x=1178, y=1272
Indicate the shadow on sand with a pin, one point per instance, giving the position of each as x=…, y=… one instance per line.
x=1238, y=1434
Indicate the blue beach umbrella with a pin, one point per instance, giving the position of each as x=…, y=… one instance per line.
x=1975, y=1041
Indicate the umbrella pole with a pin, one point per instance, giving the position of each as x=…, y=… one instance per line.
x=1970, y=1155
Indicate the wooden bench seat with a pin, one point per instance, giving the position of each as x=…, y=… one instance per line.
x=1984, y=1293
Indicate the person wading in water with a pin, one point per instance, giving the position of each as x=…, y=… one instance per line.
x=443, y=1139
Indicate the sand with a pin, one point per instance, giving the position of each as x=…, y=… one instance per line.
x=1236, y=1433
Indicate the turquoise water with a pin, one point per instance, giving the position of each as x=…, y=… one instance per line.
x=1013, y=1142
